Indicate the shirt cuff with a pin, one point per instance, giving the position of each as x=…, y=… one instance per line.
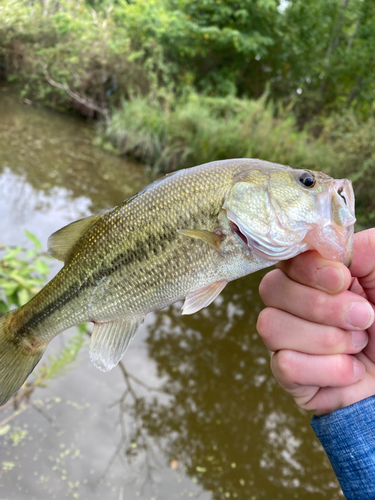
x=348, y=438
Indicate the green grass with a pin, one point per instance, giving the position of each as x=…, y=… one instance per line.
x=200, y=129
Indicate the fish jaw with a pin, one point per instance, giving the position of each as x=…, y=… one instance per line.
x=334, y=240
x=277, y=219
x=279, y=244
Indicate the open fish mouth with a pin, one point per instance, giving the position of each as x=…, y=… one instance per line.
x=236, y=230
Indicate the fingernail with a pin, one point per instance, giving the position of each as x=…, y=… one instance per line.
x=359, y=339
x=330, y=278
x=360, y=315
x=359, y=369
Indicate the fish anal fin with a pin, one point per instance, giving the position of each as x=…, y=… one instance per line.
x=201, y=234
x=202, y=297
x=62, y=241
x=110, y=340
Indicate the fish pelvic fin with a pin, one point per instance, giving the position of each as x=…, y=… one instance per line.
x=202, y=297
x=110, y=340
x=18, y=357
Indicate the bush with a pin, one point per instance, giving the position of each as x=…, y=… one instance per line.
x=67, y=54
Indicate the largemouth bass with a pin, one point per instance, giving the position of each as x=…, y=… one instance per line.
x=183, y=237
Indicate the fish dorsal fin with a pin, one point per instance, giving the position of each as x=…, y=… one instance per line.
x=201, y=234
x=62, y=241
x=109, y=341
x=202, y=297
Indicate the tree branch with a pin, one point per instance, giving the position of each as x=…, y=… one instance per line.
x=73, y=95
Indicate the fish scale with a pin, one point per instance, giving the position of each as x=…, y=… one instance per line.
x=184, y=236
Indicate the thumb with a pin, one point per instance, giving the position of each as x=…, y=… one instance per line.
x=363, y=265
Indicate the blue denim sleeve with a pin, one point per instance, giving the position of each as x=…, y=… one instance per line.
x=348, y=438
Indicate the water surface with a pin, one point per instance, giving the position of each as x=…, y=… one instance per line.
x=192, y=411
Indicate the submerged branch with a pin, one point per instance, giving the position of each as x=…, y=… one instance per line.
x=73, y=95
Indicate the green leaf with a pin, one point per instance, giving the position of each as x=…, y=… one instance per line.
x=34, y=239
x=23, y=296
x=9, y=288
x=3, y=307
x=11, y=254
x=41, y=267
x=30, y=254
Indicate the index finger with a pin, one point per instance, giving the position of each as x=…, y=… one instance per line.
x=311, y=269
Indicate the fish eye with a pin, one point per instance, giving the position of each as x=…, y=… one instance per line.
x=307, y=179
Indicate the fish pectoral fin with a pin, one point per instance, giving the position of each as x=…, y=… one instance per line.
x=110, y=340
x=201, y=234
x=202, y=297
x=62, y=241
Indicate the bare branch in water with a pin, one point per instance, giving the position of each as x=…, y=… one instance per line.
x=73, y=95
x=149, y=456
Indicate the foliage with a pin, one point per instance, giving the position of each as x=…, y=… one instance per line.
x=317, y=53
x=22, y=274
x=328, y=55
x=201, y=129
x=68, y=54
x=212, y=45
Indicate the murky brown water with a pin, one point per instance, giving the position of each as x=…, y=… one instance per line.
x=192, y=412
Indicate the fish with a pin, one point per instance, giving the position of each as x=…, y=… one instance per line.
x=185, y=236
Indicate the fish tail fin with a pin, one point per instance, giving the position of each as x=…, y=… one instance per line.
x=18, y=357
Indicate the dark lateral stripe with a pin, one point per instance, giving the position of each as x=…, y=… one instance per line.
x=143, y=249
x=27, y=327
x=150, y=245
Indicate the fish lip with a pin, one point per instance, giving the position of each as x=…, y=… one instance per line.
x=334, y=240
x=348, y=248
x=343, y=222
x=341, y=191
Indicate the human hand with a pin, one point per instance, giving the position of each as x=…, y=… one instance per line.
x=319, y=324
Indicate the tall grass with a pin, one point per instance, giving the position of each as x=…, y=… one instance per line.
x=199, y=129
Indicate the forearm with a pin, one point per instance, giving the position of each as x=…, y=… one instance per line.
x=348, y=438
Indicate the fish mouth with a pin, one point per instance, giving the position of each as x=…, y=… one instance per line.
x=236, y=230
x=334, y=240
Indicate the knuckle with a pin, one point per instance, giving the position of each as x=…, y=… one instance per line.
x=266, y=326
x=283, y=365
x=268, y=284
x=332, y=340
x=344, y=368
x=318, y=304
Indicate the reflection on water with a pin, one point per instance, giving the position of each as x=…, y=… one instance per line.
x=191, y=412
x=50, y=173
